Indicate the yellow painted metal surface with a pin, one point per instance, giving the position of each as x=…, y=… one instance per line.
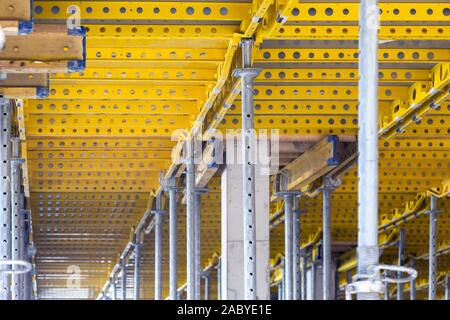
x=96, y=146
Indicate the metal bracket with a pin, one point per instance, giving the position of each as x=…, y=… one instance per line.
x=26, y=266
x=375, y=283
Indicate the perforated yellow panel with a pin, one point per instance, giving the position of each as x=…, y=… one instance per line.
x=96, y=146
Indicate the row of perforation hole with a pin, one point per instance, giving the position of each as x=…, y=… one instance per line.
x=336, y=30
x=329, y=12
x=206, y=11
x=341, y=55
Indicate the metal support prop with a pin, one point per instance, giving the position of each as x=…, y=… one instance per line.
x=280, y=290
x=5, y=214
x=447, y=287
x=16, y=235
x=137, y=267
x=304, y=258
x=386, y=292
x=173, y=240
x=288, y=245
x=401, y=261
x=313, y=280
x=432, y=262
x=113, y=287
x=123, y=266
x=326, y=241
x=368, y=251
x=219, y=279
x=197, y=236
x=190, y=221
x=412, y=283
x=247, y=75
x=296, y=250
x=158, y=248
x=207, y=276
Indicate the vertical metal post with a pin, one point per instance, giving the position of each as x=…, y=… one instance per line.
x=326, y=283
x=401, y=260
x=280, y=291
x=386, y=292
x=5, y=214
x=447, y=287
x=207, y=277
x=15, y=213
x=173, y=240
x=432, y=262
x=337, y=278
x=197, y=236
x=412, y=283
x=158, y=248
x=113, y=287
x=137, y=267
x=368, y=251
x=247, y=75
x=296, y=250
x=123, y=266
x=190, y=221
x=283, y=282
x=313, y=279
x=288, y=245
x=219, y=279
x=304, y=258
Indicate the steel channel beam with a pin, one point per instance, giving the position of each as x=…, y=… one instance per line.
x=5, y=215
x=288, y=244
x=368, y=251
x=296, y=250
x=432, y=262
x=16, y=235
x=173, y=240
x=190, y=221
x=137, y=267
x=326, y=283
x=248, y=75
x=401, y=260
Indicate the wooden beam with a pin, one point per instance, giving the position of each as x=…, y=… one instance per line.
x=15, y=10
x=25, y=80
x=312, y=164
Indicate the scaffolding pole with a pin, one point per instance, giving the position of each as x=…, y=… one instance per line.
x=113, y=287
x=288, y=245
x=368, y=251
x=16, y=235
x=158, y=247
x=123, y=267
x=219, y=279
x=412, y=283
x=304, y=258
x=190, y=221
x=432, y=261
x=401, y=260
x=173, y=239
x=296, y=250
x=5, y=215
x=247, y=74
x=207, y=276
x=326, y=220
x=137, y=267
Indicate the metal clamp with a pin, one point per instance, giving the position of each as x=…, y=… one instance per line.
x=26, y=266
x=375, y=283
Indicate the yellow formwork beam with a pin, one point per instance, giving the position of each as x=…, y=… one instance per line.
x=138, y=107
x=345, y=32
x=350, y=55
x=73, y=143
x=70, y=165
x=125, y=91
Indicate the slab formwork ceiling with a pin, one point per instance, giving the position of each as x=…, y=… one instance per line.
x=95, y=147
